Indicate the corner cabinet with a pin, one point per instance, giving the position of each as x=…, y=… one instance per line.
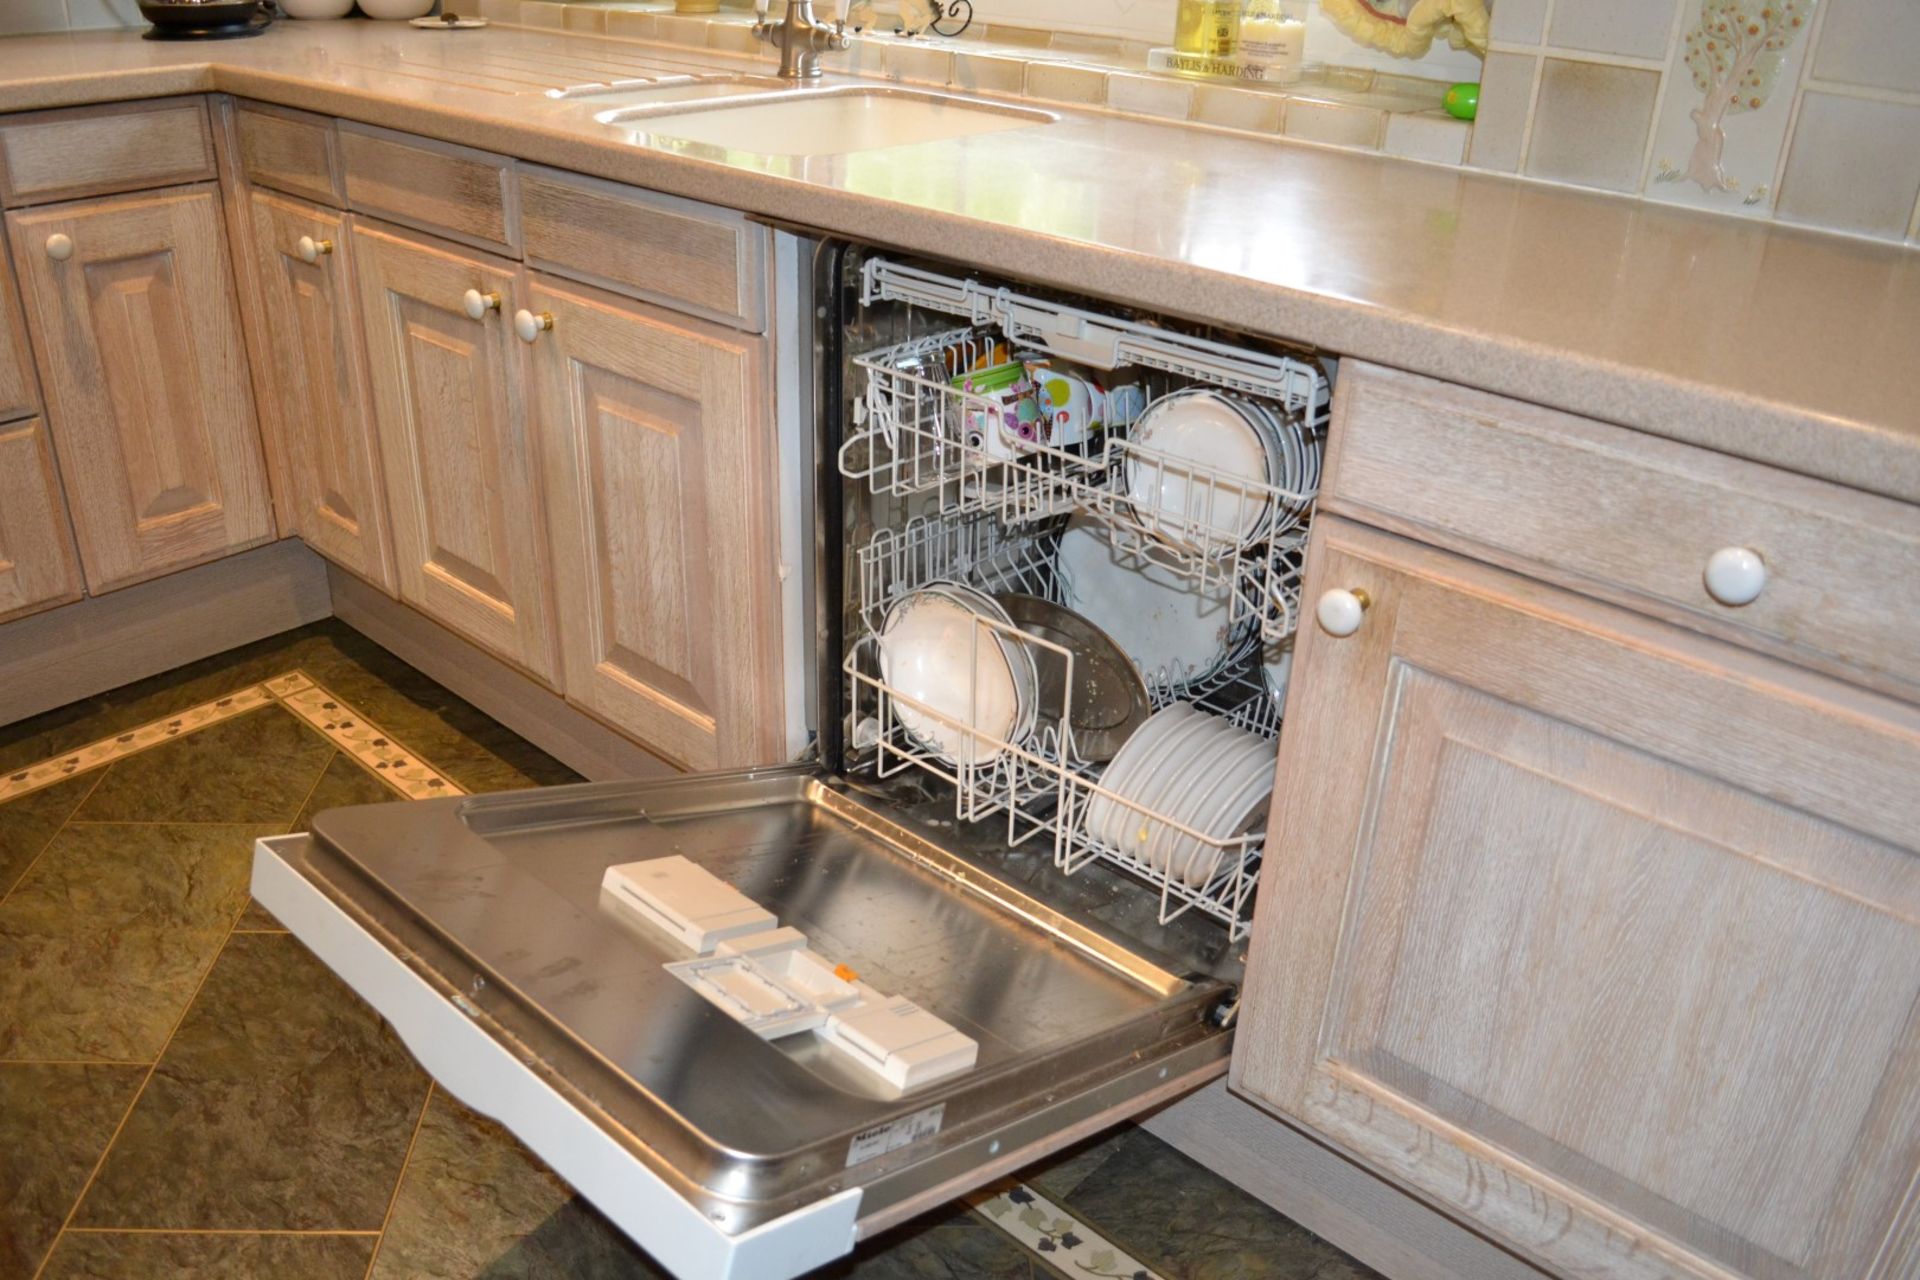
x=148, y=398
x=313, y=384
x=1601, y=936
x=660, y=490
x=460, y=463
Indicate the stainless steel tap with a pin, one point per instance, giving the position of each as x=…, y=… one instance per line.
x=801, y=39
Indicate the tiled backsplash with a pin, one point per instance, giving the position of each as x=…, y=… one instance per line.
x=1803, y=110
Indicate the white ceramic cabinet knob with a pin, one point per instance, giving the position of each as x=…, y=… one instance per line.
x=59, y=246
x=312, y=250
x=530, y=326
x=1736, y=575
x=477, y=304
x=1340, y=611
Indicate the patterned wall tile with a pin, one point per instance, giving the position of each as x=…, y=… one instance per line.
x=1870, y=42
x=1729, y=100
x=1506, y=93
x=1854, y=165
x=1631, y=28
x=1590, y=123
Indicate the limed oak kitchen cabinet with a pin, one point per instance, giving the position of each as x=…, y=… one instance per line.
x=658, y=444
x=37, y=564
x=313, y=383
x=137, y=336
x=1601, y=934
x=463, y=491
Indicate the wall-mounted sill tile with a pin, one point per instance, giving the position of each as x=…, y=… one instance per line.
x=507, y=11
x=1062, y=82
x=1238, y=108
x=1149, y=95
x=1432, y=135
x=920, y=63
x=988, y=73
x=586, y=18
x=1506, y=94
x=1340, y=123
x=1853, y=165
x=677, y=28
x=550, y=16
x=733, y=37
x=626, y=24
x=1590, y=123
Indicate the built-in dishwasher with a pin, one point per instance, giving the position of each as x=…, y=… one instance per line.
x=756, y=1016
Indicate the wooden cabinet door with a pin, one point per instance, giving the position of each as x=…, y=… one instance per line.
x=660, y=476
x=37, y=565
x=137, y=336
x=314, y=381
x=1602, y=936
x=463, y=493
x=19, y=392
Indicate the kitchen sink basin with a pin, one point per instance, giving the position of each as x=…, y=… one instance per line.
x=818, y=122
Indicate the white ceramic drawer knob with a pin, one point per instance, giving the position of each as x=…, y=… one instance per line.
x=530, y=326
x=477, y=304
x=1339, y=611
x=312, y=250
x=1736, y=575
x=59, y=246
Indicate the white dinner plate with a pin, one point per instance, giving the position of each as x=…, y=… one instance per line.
x=1201, y=482
x=1173, y=630
x=928, y=647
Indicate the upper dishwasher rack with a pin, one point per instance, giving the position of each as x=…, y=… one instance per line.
x=910, y=438
x=1104, y=341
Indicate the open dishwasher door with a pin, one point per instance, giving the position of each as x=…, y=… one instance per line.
x=480, y=929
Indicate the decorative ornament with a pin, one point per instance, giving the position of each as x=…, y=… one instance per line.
x=1735, y=52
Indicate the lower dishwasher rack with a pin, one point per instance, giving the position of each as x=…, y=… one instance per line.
x=473, y=926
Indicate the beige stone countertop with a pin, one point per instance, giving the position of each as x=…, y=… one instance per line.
x=1790, y=347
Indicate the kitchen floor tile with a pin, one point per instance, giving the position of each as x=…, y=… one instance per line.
x=104, y=940
x=282, y=1103
x=475, y=1202
x=55, y=1120
x=257, y=767
x=1189, y=1223
x=117, y=1255
x=475, y=751
x=345, y=782
x=953, y=1244
x=1060, y=1174
x=28, y=822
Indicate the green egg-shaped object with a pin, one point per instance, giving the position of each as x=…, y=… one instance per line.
x=1463, y=100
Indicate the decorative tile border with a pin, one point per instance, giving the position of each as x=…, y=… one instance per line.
x=121, y=745
x=1057, y=1236
x=338, y=722
x=365, y=741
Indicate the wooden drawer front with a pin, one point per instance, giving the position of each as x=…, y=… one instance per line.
x=1602, y=935
x=460, y=193
x=709, y=261
x=60, y=155
x=290, y=151
x=1629, y=517
x=37, y=564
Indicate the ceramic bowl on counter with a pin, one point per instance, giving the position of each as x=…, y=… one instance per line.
x=316, y=8
x=396, y=9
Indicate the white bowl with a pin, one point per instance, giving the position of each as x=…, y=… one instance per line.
x=316, y=8
x=934, y=651
x=396, y=8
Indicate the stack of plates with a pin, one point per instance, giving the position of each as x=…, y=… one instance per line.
x=1188, y=767
x=979, y=687
x=1205, y=465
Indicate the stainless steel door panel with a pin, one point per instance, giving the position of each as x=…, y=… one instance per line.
x=494, y=902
